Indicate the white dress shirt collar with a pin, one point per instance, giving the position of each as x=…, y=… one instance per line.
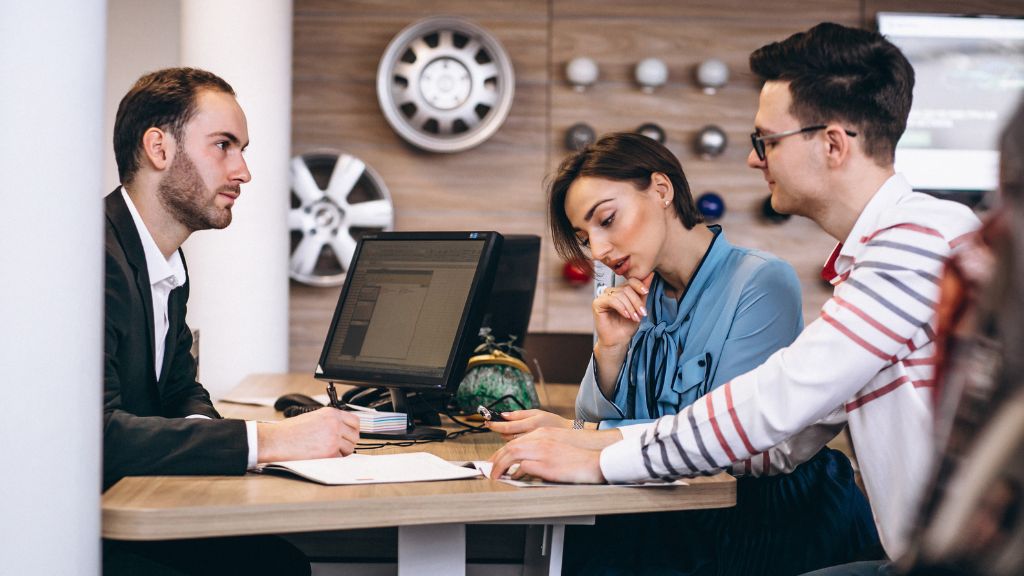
x=160, y=269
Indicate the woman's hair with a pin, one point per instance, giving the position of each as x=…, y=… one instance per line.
x=623, y=157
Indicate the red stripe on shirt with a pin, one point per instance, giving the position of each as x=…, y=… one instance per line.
x=923, y=383
x=718, y=431
x=864, y=315
x=857, y=339
x=735, y=419
x=766, y=463
x=906, y=226
x=926, y=361
x=857, y=403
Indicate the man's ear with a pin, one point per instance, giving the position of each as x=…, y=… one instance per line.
x=158, y=148
x=839, y=146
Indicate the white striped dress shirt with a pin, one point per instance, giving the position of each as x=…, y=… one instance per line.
x=868, y=360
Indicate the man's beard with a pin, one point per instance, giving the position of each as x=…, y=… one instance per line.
x=183, y=194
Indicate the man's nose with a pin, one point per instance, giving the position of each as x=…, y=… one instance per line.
x=241, y=171
x=754, y=161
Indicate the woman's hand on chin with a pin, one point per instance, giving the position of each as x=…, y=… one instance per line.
x=618, y=311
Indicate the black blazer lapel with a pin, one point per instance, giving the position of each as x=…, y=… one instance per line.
x=124, y=227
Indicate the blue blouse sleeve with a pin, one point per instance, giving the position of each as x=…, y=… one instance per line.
x=769, y=316
x=591, y=404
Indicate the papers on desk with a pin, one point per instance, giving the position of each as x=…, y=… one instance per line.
x=364, y=469
x=371, y=420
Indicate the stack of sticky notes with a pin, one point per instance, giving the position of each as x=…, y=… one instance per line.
x=371, y=420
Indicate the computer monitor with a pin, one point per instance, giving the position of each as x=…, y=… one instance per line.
x=409, y=314
x=510, y=304
x=969, y=79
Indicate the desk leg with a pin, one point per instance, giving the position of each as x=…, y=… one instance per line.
x=543, y=554
x=432, y=549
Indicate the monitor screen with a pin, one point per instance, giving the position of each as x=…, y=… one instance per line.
x=969, y=77
x=409, y=313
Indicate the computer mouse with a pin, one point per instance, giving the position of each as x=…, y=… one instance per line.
x=289, y=400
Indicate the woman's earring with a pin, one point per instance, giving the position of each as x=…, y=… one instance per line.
x=667, y=202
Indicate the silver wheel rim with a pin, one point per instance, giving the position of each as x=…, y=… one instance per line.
x=336, y=198
x=445, y=85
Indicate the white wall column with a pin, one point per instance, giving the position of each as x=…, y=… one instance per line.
x=51, y=296
x=239, y=295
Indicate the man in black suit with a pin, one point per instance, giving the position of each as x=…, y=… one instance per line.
x=179, y=138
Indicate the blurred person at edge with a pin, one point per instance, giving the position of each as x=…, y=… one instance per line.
x=972, y=522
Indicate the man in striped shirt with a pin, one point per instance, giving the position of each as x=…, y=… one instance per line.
x=834, y=103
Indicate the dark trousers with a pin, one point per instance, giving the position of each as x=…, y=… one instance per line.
x=249, y=555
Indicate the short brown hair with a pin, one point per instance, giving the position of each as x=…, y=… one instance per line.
x=164, y=99
x=839, y=73
x=623, y=157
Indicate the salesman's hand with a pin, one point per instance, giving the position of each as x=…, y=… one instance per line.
x=520, y=422
x=321, y=433
x=548, y=459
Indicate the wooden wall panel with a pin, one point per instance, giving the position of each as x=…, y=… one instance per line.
x=499, y=185
x=337, y=48
x=799, y=13
x=683, y=37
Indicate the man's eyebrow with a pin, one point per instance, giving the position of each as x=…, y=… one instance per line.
x=231, y=138
x=590, y=213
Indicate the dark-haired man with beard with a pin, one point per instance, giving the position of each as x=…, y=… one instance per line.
x=179, y=138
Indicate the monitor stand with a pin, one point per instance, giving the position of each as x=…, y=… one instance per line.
x=399, y=403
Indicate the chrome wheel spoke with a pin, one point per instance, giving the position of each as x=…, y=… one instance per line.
x=373, y=214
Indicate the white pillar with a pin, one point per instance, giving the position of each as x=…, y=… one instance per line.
x=51, y=296
x=239, y=276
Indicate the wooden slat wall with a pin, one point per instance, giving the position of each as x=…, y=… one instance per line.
x=498, y=185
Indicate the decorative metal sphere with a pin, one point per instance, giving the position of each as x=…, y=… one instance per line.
x=650, y=73
x=652, y=131
x=579, y=136
x=581, y=72
x=712, y=74
x=711, y=205
x=711, y=141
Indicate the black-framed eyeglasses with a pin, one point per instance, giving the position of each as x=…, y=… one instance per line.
x=757, y=140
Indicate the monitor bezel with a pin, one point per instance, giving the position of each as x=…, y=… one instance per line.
x=466, y=336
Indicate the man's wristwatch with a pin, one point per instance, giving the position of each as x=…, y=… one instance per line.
x=577, y=424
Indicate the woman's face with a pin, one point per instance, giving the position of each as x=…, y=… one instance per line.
x=623, y=227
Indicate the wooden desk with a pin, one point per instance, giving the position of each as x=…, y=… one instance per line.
x=431, y=516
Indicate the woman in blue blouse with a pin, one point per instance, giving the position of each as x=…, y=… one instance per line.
x=695, y=312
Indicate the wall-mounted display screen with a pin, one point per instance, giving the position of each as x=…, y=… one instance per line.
x=970, y=76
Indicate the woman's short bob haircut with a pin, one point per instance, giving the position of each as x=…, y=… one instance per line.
x=623, y=157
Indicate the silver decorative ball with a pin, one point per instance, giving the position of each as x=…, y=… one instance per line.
x=650, y=73
x=711, y=141
x=712, y=74
x=581, y=72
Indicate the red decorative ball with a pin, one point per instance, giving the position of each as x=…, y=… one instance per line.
x=575, y=275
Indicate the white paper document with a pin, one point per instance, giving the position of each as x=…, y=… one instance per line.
x=364, y=469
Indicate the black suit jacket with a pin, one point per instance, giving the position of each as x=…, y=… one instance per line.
x=145, y=431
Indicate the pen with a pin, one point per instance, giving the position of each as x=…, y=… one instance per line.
x=333, y=394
